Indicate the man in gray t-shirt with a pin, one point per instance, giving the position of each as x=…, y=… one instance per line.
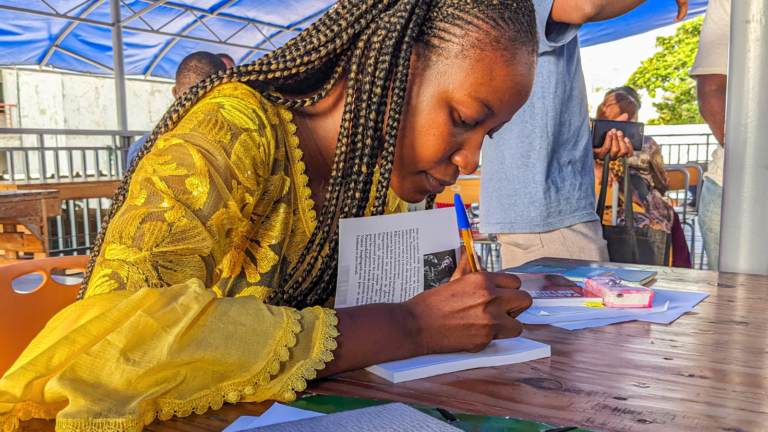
x=538, y=188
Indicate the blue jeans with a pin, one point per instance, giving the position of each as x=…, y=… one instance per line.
x=709, y=220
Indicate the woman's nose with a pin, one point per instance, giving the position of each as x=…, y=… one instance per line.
x=467, y=161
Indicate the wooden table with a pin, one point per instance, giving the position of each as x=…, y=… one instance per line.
x=30, y=208
x=70, y=189
x=64, y=190
x=705, y=372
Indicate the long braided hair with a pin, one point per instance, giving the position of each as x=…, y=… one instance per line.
x=370, y=42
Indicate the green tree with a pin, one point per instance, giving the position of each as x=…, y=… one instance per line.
x=666, y=73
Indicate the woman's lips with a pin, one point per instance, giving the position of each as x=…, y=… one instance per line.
x=436, y=186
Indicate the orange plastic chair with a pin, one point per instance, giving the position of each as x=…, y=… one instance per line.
x=23, y=316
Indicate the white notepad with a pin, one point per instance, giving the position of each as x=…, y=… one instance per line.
x=499, y=352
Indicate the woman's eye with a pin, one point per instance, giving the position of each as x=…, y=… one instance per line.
x=466, y=124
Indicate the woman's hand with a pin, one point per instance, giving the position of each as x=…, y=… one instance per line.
x=463, y=268
x=615, y=143
x=468, y=313
x=463, y=315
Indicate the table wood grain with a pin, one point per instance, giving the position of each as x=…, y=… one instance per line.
x=77, y=189
x=704, y=372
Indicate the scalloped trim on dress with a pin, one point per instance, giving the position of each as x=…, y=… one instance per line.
x=231, y=392
x=318, y=357
x=294, y=154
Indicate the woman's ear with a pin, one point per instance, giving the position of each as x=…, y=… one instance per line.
x=623, y=117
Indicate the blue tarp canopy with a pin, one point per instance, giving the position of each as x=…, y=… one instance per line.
x=76, y=35
x=154, y=42
x=648, y=16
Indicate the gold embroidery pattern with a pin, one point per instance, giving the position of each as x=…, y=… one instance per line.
x=222, y=198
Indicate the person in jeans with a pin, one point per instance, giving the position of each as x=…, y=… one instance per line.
x=710, y=69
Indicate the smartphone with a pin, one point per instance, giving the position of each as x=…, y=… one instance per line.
x=631, y=130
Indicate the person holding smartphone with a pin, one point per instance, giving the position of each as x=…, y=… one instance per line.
x=538, y=192
x=648, y=176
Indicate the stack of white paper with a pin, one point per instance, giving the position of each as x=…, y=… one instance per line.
x=499, y=352
x=667, y=307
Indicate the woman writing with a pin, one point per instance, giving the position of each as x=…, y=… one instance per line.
x=207, y=281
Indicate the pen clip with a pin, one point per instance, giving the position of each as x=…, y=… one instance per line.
x=450, y=418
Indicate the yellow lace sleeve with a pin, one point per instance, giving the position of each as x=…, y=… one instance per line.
x=192, y=198
x=119, y=360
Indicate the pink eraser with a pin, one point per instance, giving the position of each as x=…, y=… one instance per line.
x=619, y=293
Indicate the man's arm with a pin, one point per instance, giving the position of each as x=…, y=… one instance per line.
x=711, y=91
x=584, y=11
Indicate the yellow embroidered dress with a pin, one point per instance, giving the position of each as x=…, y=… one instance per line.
x=219, y=209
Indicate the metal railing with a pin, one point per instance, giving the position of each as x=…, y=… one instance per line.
x=31, y=160
x=679, y=149
x=74, y=231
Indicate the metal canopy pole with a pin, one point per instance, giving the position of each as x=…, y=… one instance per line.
x=119, y=67
x=744, y=225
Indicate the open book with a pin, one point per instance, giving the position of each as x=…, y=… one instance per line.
x=389, y=259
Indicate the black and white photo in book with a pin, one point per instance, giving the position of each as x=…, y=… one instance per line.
x=391, y=258
x=438, y=268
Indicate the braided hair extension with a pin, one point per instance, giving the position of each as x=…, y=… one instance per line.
x=370, y=43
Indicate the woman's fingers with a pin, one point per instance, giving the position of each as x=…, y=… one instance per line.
x=607, y=145
x=513, y=302
x=620, y=146
x=626, y=147
x=616, y=145
x=503, y=280
x=463, y=267
x=510, y=328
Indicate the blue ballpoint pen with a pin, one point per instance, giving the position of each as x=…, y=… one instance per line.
x=466, y=232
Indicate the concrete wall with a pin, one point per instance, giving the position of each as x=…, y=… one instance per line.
x=54, y=101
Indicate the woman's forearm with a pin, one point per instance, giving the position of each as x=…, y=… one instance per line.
x=374, y=334
x=465, y=314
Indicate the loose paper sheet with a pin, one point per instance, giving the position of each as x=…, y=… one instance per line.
x=277, y=413
x=391, y=258
x=668, y=306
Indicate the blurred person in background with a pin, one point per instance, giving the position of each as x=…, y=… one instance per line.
x=227, y=59
x=192, y=69
x=648, y=177
x=710, y=70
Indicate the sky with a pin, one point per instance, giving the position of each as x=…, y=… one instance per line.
x=610, y=65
